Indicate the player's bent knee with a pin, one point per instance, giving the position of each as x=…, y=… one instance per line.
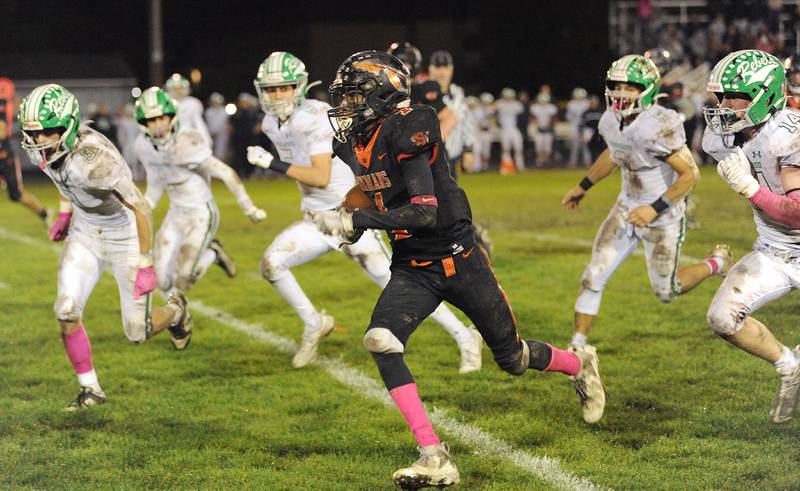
x=66, y=309
x=665, y=296
x=135, y=331
x=516, y=363
x=723, y=322
x=382, y=340
x=271, y=268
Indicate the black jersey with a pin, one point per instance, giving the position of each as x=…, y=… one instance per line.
x=402, y=168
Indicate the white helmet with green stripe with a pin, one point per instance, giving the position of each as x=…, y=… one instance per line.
x=635, y=70
x=749, y=74
x=281, y=69
x=49, y=109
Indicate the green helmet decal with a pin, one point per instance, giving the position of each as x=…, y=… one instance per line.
x=281, y=69
x=154, y=103
x=50, y=107
x=633, y=70
x=750, y=72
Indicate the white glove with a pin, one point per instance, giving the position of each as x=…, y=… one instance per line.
x=256, y=215
x=338, y=223
x=735, y=170
x=258, y=156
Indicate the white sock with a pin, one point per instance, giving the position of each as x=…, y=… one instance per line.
x=89, y=379
x=290, y=291
x=452, y=325
x=787, y=362
x=579, y=339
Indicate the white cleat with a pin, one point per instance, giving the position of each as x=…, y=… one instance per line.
x=435, y=467
x=588, y=384
x=785, y=403
x=471, y=353
x=181, y=331
x=87, y=398
x=223, y=259
x=723, y=253
x=311, y=339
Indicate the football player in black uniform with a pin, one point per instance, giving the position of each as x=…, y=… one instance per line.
x=395, y=150
x=10, y=171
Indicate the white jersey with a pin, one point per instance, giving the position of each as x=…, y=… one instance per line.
x=307, y=132
x=507, y=112
x=89, y=176
x=461, y=135
x=175, y=166
x=543, y=114
x=639, y=149
x=774, y=147
x=190, y=116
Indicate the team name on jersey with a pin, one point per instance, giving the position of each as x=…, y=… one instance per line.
x=374, y=181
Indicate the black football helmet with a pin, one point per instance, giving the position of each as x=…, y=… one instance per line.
x=368, y=86
x=407, y=53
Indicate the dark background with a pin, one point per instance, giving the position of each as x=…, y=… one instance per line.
x=516, y=44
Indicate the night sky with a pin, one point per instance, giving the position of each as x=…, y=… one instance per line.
x=563, y=44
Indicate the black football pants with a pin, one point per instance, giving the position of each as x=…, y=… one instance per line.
x=467, y=281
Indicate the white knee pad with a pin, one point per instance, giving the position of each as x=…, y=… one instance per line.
x=66, y=309
x=271, y=268
x=723, y=321
x=135, y=330
x=381, y=340
x=588, y=301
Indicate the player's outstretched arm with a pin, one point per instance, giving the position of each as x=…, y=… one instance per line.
x=682, y=162
x=220, y=170
x=602, y=168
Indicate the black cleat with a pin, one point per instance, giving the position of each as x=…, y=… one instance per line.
x=87, y=397
x=223, y=260
x=181, y=331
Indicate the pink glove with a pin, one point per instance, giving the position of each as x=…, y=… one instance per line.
x=145, y=282
x=58, y=231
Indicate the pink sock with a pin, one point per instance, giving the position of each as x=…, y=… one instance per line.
x=79, y=351
x=713, y=264
x=407, y=399
x=563, y=361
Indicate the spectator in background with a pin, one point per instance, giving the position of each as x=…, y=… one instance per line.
x=544, y=114
x=508, y=110
x=101, y=120
x=217, y=122
x=246, y=124
x=589, y=123
x=127, y=132
x=576, y=107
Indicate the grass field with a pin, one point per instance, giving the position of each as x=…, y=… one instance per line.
x=685, y=410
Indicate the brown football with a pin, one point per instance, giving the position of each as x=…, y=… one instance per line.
x=356, y=199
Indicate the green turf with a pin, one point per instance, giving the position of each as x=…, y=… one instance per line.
x=685, y=410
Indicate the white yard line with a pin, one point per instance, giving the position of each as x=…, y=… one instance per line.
x=545, y=468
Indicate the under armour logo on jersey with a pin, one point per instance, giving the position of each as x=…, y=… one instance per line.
x=420, y=138
x=757, y=154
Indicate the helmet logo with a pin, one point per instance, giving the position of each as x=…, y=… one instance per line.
x=749, y=75
x=420, y=138
x=58, y=104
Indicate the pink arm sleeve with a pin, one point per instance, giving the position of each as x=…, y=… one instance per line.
x=785, y=209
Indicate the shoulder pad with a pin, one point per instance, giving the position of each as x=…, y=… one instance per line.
x=189, y=147
x=783, y=138
x=96, y=162
x=412, y=130
x=663, y=127
x=608, y=123
x=310, y=116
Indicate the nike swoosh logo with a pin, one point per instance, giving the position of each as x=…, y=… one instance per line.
x=381, y=156
x=469, y=252
x=427, y=200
